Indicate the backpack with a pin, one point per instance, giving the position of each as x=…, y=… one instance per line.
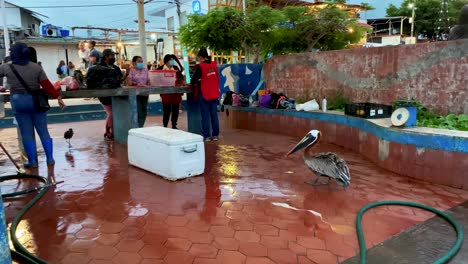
x=288, y=103
x=59, y=71
x=236, y=100
x=280, y=103
x=228, y=98
x=244, y=100
x=265, y=101
x=275, y=98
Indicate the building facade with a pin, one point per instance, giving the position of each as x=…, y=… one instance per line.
x=21, y=23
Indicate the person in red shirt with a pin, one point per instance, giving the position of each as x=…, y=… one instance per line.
x=206, y=76
x=171, y=102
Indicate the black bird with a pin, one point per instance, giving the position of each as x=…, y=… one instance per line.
x=68, y=135
x=326, y=164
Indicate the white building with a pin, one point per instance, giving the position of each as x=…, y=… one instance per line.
x=167, y=13
x=21, y=23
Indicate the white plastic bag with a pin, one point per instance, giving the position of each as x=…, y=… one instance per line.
x=311, y=105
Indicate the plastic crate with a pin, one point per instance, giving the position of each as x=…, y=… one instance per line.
x=162, y=78
x=368, y=110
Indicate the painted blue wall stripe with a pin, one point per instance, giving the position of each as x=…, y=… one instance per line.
x=420, y=140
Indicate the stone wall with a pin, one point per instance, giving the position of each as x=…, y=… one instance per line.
x=435, y=74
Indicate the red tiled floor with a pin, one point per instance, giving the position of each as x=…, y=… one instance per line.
x=253, y=249
x=250, y=206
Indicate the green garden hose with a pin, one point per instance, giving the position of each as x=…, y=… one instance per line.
x=21, y=252
x=447, y=217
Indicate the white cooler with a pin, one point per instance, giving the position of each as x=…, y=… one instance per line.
x=171, y=153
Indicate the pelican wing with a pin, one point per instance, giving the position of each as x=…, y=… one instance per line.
x=328, y=164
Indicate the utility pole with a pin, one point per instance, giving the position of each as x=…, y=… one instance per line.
x=6, y=36
x=184, y=51
x=413, y=14
x=177, y=2
x=141, y=27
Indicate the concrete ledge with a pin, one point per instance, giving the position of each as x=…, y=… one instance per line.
x=77, y=113
x=437, y=158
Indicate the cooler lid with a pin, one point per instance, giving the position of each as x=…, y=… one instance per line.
x=166, y=135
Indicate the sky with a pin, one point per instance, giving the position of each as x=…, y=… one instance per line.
x=122, y=13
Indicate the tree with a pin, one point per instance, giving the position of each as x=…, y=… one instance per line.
x=264, y=30
x=216, y=30
x=427, y=13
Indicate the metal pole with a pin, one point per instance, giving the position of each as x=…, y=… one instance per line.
x=390, y=27
x=66, y=58
x=184, y=51
x=401, y=25
x=412, y=23
x=119, y=48
x=178, y=12
x=141, y=28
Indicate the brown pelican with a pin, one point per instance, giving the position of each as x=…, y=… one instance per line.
x=322, y=164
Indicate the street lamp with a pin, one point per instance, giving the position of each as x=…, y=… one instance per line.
x=413, y=7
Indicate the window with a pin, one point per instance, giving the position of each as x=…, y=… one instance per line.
x=2, y=40
x=170, y=23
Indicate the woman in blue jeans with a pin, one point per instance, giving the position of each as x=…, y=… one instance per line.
x=207, y=78
x=22, y=103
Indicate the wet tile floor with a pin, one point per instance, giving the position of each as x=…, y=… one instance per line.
x=250, y=206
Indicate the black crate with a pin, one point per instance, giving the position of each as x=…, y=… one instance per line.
x=368, y=110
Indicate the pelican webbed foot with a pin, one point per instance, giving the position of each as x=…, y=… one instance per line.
x=316, y=182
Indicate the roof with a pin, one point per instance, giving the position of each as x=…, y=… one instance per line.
x=386, y=19
x=364, y=25
x=49, y=40
x=357, y=8
x=64, y=41
x=32, y=13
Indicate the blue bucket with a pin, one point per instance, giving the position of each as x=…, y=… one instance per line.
x=64, y=33
x=413, y=115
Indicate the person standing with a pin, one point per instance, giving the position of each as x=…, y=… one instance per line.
x=83, y=53
x=171, y=102
x=94, y=55
x=61, y=70
x=138, y=76
x=105, y=75
x=71, y=69
x=25, y=77
x=206, y=77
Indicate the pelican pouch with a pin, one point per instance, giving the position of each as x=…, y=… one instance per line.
x=40, y=97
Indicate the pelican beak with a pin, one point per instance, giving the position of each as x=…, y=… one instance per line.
x=306, y=141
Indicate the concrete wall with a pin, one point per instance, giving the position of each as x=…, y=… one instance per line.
x=435, y=158
x=50, y=55
x=433, y=73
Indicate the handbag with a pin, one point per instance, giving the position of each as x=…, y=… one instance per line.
x=40, y=97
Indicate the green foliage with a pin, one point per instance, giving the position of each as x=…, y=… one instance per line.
x=367, y=7
x=427, y=118
x=338, y=101
x=266, y=30
x=217, y=30
x=426, y=14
